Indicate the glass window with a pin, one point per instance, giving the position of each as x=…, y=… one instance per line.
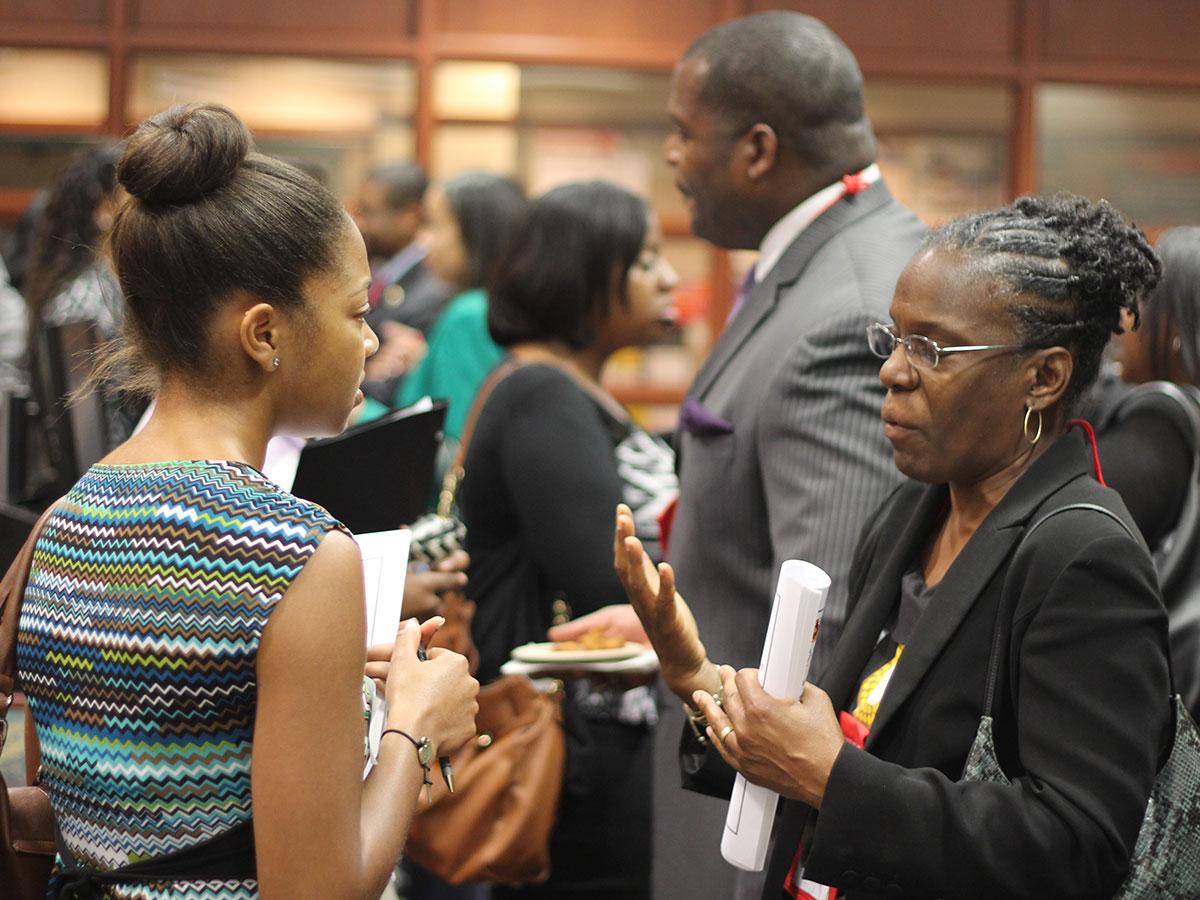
x=1137, y=148
x=554, y=124
x=345, y=116
x=943, y=148
x=53, y=87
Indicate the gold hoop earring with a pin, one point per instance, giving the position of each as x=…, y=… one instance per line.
x=1025, y=428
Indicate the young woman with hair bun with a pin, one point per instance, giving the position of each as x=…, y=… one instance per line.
x=192, y=637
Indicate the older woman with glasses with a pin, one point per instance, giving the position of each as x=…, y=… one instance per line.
x=1001, y=585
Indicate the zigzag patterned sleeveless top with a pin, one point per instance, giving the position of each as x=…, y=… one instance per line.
x=140, y=626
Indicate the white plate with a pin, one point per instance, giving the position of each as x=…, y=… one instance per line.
x=545, y=653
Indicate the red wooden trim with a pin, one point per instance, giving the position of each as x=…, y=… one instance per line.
x=1024, y=176
x=428, y=14
x=263, y=43
x=14, y=201
x=36, y=130
x=57, y=35
x=118, y=19
x=556, y=50
x=1121, y=74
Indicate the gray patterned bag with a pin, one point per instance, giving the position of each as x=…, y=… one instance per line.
x=1166, y=858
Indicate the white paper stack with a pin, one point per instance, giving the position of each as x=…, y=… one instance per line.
x=791, y=635
x=385, y=567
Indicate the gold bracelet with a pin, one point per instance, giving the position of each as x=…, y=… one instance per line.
x=698, y=721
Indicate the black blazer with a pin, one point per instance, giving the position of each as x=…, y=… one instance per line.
x=1082, y=709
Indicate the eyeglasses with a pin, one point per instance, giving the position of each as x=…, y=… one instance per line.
x=920, y=350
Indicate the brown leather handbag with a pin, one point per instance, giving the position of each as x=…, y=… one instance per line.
x=26, y=821
x=496, y=825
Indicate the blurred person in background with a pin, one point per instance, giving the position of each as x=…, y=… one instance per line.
x=69, y=279
x=551, y=454
x=1150, y=441
x=406, y=297
x=14, y=338
x=470, y=218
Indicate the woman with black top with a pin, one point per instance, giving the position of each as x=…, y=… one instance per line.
x=551, y=454
x=998, y=324
x=1150, y=441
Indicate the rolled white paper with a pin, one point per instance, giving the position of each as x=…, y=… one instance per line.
x=787, y=652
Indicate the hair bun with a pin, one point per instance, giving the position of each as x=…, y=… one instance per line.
x=183, y=153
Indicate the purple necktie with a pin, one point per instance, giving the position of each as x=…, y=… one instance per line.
x=740, y=297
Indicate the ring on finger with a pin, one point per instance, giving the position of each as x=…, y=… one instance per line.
x=725, y=732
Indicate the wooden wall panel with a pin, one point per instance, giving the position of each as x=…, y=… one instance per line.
x=276, y=18
x=673, y=23
x=1148, y=32
x=916, y=30
x=64, y=12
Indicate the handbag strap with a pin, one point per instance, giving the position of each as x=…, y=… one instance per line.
x=12, y=593
x=454, y=474
x=1004, y=614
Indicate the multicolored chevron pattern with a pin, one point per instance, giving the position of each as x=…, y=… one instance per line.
x=148, y=595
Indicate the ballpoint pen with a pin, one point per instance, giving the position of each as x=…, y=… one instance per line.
x=443, y=761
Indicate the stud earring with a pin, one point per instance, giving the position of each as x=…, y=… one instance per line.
x=275, y=363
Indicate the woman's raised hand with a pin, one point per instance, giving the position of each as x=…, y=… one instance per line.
x=664, y=615
x=434, y=698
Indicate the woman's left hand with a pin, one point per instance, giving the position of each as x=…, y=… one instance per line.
x=789, y=746
x=379, y=656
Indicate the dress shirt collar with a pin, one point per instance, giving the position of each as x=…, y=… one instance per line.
x=787, y=229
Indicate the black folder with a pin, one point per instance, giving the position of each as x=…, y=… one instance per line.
x=377, y=476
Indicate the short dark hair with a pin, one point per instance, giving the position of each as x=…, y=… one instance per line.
x=789, y=71
x=403, y=183
x=558, y=272
x=1070, y=266
x=486, y=208
x=1172, y=312
x=209, y=216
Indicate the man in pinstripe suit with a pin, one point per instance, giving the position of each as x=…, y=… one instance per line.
x=781, y=447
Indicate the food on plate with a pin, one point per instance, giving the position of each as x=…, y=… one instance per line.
x=595, y=639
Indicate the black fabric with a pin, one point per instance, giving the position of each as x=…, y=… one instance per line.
x=1082, y=710
x=538, y=499
x=915, y=596
x=229, y=855
x=1147, y=458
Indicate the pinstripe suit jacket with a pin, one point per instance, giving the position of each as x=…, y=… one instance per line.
x=803, y=466
x=806, y=460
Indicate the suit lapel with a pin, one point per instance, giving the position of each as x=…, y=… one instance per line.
x=764, y=296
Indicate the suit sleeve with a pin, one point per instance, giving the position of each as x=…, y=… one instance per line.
x=701, y=767
x=825, y=463
x=1091, y=691
x=558, y=463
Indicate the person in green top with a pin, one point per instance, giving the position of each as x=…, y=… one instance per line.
x=470, y=218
